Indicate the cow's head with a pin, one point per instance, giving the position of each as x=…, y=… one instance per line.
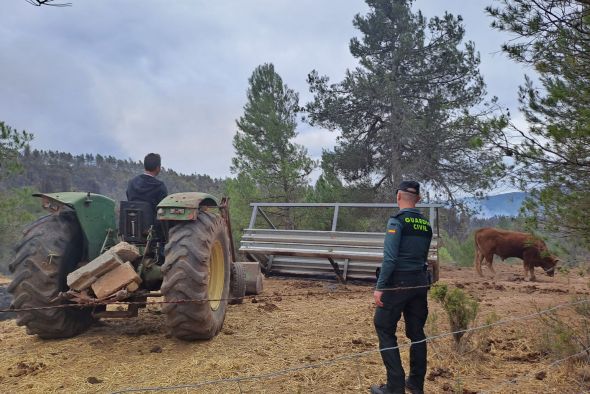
x=548, y=263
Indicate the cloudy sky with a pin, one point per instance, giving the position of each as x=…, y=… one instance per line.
x=124, y=78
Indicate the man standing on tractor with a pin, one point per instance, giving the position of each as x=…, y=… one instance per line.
x=146, y=187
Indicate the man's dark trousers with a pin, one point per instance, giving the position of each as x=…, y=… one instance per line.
x=414, y=306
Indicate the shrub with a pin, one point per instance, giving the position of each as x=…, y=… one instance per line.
x=444, y=256
x=461, y=309
x=432, y=324
x=560, y=337
x=461, y=252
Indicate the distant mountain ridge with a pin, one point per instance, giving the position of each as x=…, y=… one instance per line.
x=505, y=204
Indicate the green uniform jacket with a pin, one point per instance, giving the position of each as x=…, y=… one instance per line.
x=407, y=240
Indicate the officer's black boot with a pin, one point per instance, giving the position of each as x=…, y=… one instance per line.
x=375, y=389
x=413, y=388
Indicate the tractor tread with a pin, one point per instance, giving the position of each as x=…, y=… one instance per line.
x=38, y=281
x=186, y=277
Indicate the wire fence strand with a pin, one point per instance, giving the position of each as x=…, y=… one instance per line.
x=354, y=356
x=531, y=374
x=272, y=374
x=204, y=300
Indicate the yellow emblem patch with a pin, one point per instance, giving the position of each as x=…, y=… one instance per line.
x=393, y=231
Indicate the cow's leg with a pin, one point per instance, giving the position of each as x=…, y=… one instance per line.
x=477, y=261
x=532, y=273
x=529, y=265
x=489, y=260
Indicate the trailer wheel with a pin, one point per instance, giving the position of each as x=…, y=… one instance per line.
x=238, y=283
x=50, y=249
x=196, y=268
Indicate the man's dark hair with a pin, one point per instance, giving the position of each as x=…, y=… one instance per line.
x=152, y=161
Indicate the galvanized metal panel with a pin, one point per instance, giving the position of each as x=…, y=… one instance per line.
x=301, y=252
x=306, y=252
x=320, y=238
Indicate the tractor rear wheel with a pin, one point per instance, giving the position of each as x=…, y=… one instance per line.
x=197, y=267
x=50, y=249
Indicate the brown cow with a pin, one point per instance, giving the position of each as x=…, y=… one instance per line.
x=503, y=243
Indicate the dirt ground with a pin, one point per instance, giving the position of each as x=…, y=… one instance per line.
x=294, y=328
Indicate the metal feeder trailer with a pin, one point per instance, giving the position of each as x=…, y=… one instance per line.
x=311, y=253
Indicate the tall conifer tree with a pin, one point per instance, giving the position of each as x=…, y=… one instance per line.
x=413, y=108
x=265, y=151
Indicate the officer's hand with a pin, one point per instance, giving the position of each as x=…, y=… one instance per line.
x=377, y=295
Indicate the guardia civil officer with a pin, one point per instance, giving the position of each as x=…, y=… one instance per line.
x=405, y=258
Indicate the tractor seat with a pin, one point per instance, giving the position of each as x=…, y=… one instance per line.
x=135, y=220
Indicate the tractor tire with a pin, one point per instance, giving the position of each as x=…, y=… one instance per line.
x=197, y=267
x=238, y=283
x=50, y=249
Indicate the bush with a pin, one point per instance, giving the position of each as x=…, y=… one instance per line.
x=461, y=252
x=461, y=309
x=560, y=337
x=431, y=326
x=444, y=256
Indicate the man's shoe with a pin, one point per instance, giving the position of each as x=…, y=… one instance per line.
x=412, y=388
x=383, y=390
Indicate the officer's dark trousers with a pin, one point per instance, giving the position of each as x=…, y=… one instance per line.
x=414, y=306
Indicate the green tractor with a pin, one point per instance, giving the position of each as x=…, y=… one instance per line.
x=186, y=253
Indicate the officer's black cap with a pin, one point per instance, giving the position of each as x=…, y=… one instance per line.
x=409, y=187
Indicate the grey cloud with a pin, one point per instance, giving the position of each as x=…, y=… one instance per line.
x=124, y=78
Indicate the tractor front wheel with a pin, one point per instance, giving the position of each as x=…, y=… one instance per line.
x=196, y=277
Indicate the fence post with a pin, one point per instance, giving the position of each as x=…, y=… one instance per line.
x=335, y=218
x=432, y=216
x=253, y=217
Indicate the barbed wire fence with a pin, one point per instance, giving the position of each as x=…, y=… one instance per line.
x=355, y=357
x=530, y=375
x=258, y=297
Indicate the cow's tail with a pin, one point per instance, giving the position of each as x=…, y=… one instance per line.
x=477, y=261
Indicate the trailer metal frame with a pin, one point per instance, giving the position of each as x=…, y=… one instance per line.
x=351, y=255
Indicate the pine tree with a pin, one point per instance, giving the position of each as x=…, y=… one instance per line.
x=265, y=151
x=413, y=108
x=11, y=143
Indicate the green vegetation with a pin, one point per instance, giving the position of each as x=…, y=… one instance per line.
x=265, y=152
x=17, y=208
x=15, y=204
x=461, y=309
x=561, y=336
x=460, y=252
x=12, y=142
